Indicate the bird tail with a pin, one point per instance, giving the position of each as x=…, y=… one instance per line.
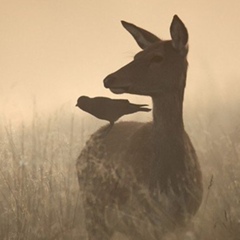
x=141, y=107
x=145, y=109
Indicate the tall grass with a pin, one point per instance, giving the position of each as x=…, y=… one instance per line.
x=218, y=152
x=39, y=192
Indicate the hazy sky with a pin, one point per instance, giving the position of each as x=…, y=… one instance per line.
x=56, y=50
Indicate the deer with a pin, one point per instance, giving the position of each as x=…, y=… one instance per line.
x=143, y=179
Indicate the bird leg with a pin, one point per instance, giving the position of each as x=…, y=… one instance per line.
x=108, y=129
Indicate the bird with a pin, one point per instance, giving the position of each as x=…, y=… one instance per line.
x=109, y=109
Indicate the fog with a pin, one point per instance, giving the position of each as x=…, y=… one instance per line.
x=54, y=51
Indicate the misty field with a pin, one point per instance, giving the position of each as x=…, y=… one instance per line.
x=39, y=193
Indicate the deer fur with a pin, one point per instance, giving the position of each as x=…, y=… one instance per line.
x=144, y=179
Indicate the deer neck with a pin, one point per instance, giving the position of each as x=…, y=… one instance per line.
x=167, y=115
x=168, y=140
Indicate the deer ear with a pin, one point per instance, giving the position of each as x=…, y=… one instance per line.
x=143, y=38
x=179, y=35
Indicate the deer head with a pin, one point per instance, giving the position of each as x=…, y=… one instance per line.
x=160, y=67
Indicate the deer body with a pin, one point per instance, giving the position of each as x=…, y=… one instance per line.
x=143, y=179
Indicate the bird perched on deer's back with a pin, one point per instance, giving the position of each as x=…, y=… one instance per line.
x=109, y=109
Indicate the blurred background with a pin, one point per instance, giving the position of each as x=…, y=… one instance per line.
x=54, y=51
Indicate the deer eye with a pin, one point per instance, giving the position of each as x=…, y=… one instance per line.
x=157, y=59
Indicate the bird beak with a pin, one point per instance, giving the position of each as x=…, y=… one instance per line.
x=76, y=105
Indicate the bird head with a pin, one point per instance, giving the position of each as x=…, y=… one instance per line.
x=81, y=101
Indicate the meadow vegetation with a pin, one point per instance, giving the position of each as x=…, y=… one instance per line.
x=39, y=192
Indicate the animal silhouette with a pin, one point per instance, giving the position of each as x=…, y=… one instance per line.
x=144, y=179
x=109, y=109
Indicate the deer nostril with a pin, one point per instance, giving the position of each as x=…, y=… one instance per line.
x=108, y=81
